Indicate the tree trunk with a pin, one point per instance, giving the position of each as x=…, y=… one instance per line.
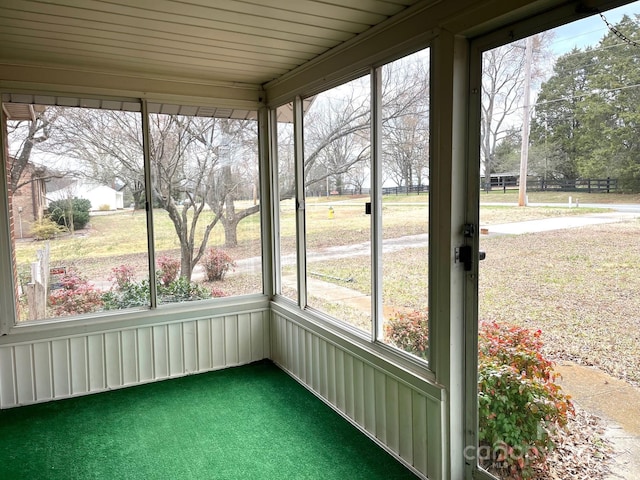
x=186, y=269
x=230, y=221
x=231, y=233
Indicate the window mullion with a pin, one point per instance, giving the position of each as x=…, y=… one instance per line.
x=146, y=142
x=274, y=172
x=268, y=211
x=7, y=298
x=300, y=202
x=376, y=203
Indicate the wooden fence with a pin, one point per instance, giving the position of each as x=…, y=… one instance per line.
x=586, y=185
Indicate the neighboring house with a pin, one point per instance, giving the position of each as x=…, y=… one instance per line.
x=28, y=201
x=100, y=196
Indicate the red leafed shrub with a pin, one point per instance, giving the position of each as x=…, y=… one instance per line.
x=409, y=331
x=168, y=269
x=217, y=263
x=76, y=296
x=520, y=405
x=122, y=275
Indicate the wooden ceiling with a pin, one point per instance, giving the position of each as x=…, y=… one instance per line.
x=242, y=42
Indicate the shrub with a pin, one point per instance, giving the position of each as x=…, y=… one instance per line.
x=182, y=290
x=61, y=212
x=128, y=295
x=134, y=294
x=520, y=406
x=105, y=207
x=216, y=293
x=217, y=263
x=76, y=296
x=168, y=269
x=409, y=332
x=46, y=229
x=122, y=276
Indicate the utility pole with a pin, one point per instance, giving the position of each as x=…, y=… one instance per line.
x=524, y=150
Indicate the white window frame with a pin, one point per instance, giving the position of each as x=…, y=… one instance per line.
x=8, y=307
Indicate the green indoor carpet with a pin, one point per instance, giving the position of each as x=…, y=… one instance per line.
x=249, y=422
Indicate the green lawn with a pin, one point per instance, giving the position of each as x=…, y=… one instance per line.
x=578, y=285
x=124, y=232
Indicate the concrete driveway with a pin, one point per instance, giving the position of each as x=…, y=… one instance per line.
x=560, y=223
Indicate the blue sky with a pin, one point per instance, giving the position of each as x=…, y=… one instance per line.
x=590, y=30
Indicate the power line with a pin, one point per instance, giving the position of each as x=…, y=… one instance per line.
x=618, y=33
x=587, y=94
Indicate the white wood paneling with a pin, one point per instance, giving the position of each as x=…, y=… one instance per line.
x=397, y=414
x=231, y=340
x=160, y=352
x=79, y=365
x=96, y=363
x=230, y=40
x=217, y=341
x=24, y=372
x=7, y=377
x=144, y=346
x=113, y=359
x=129, y=357
x=42, y=367
x=175, y=344
x=190, y=346
x=57, y=368
x=60, y=367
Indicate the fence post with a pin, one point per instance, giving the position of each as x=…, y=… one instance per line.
x=39, y=286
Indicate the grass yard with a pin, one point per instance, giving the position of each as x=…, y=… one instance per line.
x=579, y=286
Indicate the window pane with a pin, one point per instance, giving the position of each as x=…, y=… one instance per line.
x=286, y=184
x=74, y=174
x=205, y=207
x=337, y=179
x=405, y=202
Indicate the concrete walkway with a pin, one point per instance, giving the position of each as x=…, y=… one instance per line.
x=617, y=403
x=559, y=223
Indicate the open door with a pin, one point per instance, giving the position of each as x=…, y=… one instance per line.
x=553, y=200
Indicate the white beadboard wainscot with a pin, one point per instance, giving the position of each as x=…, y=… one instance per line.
x=401, y=412
x=75, y=364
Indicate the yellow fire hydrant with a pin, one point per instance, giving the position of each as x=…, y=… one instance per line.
x=330, y=212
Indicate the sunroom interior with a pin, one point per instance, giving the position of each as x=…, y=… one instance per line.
x=268, y=62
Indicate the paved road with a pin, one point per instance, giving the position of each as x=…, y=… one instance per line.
x=560, y=223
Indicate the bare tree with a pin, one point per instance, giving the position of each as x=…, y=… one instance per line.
x=236, y=178
x=502, y=92
x=336, y=130
x=26, y=136
x=189, y=177
x=405, y=133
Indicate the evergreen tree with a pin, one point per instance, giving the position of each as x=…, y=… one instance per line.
x=588, y=112
x=556, y=126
